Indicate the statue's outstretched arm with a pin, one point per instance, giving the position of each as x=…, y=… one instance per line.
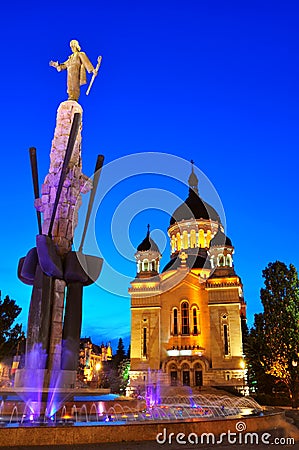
x=58, y=66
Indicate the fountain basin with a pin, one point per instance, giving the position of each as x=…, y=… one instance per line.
x=116, y=419
x=119, y=432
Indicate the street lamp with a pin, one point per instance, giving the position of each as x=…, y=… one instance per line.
x=294, y=400
x=98, y=368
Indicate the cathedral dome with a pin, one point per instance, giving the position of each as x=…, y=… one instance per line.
x=147, y=257
x=148, y=244
x=194, y=208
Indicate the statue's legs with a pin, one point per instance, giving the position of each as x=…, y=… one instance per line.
x=73, y=84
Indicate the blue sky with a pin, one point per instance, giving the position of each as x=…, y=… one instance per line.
x=210, y=80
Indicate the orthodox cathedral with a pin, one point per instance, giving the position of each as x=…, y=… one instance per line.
x=186, y=319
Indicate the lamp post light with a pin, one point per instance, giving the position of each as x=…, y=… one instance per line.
x=98, y=368
x=294, y=400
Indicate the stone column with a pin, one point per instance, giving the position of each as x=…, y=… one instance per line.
x=75, y=183
x=66, y=220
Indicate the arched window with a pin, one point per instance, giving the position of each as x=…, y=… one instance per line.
x=225, y=335
x=195, y=320
x=178, y=238
x=175, y=321
x=185, y=239
x=153, y=265
x=228, y=260
x=202, y=243
x=144, y=343
x=185, y=318
x=220, y=260
x=145, y=265
x=225, y=339
x=208, y=238
x=173, y=246
x=192, y=239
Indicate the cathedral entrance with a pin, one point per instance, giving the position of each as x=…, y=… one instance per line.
x=173, y=377
x=185, y=371
x=186, y=378
x=198, y=377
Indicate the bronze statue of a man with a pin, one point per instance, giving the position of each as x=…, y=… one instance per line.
x=76, y=66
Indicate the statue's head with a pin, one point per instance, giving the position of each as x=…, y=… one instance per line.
x=75, y=45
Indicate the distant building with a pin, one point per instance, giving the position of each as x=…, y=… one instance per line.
x=186, y=320
x=5, y=373
x=91, y=358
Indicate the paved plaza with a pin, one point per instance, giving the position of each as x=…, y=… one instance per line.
x=149, y=445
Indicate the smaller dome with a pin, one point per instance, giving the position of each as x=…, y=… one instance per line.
x=148, y=244
x=220, y=239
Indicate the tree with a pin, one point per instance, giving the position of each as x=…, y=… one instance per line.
x=116, y=373
x=124, y=373
x=9, y=334
x=120, y=353
x=275, y=334
x=256, y=354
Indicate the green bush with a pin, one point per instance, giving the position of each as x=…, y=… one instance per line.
x=272, y=400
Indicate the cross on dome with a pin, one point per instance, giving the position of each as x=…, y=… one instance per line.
x=193, y=180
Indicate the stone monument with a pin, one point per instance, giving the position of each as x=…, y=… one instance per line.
x=52, y=268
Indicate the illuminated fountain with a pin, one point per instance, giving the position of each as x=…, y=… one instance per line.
x=13, y=413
